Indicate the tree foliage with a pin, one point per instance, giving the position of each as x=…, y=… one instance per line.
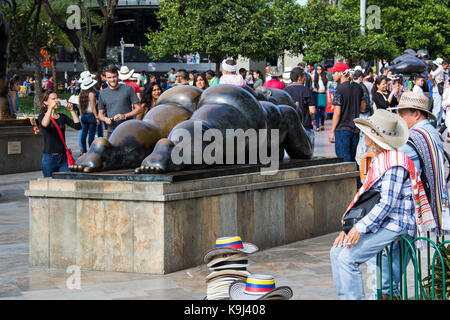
x=217, y=28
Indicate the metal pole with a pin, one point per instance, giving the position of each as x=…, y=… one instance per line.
x=122, y=50
x=362, y=12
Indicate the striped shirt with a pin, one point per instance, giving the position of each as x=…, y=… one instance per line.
x=395, y=211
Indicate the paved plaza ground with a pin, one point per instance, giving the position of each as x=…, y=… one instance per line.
x=303, y=265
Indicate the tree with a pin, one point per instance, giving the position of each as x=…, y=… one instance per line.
x=90, y=45
x=221, y=28
x=30, y=37
x=412, y=24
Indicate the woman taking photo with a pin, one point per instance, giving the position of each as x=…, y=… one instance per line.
x=402, y=208
x=201, y=82
x=151, y=93
x=88, y=113
x=382, y=98
x=54, y=158
x=320, y=90
x=14, y=88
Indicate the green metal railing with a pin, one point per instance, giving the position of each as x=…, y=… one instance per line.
x=424, y=288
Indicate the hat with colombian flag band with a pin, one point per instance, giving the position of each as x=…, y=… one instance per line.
x=229, y=245
x=259, y=287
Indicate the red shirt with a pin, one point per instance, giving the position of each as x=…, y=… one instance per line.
x=133, y=85
x=274, y=83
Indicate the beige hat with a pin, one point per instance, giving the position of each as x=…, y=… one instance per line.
x=414, y=100
x=275, y=72
x=125, y=73
x=386, y=129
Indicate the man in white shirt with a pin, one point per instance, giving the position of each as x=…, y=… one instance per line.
x=438, y=77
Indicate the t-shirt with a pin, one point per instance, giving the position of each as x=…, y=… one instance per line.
x=235, y=79
x=133, y=85
x=302, y=96
x=274, y=83
x=52, y=140
x=348, y=96
x=117, y=101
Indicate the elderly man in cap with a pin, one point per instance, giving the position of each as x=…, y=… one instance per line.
x=276, y=81
x=348, y=102
x=229, y=76
x=425, y=149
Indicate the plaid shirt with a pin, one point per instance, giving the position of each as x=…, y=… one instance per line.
x=395, y=211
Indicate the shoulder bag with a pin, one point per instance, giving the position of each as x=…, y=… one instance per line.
x=70, y=159
x=363, y=206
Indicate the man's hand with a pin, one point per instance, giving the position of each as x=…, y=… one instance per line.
x=331, y=137
x=119, y=117
x=340, y=239
x=108, y=121
x=353, y=237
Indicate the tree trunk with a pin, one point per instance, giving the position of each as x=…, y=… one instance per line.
x=55, y=82
x=37, y=86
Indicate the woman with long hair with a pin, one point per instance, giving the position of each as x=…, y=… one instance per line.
x=54, y=158
x=88, y=113
x=201, y=82
x=14, y=88
x=257, y=79
x=320, y=89
x=383, y=98
x=151, y=93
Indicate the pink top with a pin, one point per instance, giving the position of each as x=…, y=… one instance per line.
x=274, y=83
x=235, y=79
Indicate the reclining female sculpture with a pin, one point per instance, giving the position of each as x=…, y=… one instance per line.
x=141, y=143
x=228, y=107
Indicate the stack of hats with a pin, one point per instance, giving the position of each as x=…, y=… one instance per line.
x=228, y=262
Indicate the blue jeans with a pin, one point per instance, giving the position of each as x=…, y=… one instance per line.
x=319, y=117
x=310, y=133
x=100, y=130
x=54, y=163
x=88, y=125
x=346, y=144
x=345, y=262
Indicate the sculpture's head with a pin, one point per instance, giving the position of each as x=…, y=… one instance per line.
x=183, y=95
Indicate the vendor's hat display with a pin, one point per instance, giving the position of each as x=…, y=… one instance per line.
x=226, y=245
x=259, y=287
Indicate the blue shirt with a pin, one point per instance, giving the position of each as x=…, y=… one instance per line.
x=395, y=211
x=411, y=153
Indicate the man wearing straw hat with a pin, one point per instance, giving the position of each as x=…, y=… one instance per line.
x=426, y=150
x=402, y=209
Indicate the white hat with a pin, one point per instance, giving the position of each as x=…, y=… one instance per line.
x=259, y=287
x=86, y=74
x=386, y=129
x=125, y=73
x=228, y=67
x=135, y=76
x=438, y=61
x=87, y=83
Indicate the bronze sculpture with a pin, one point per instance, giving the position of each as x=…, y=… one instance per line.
x=225, y=107
x=136, y=143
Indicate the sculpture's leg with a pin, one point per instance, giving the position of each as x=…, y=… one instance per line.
x=126, y=148
x=296, y=143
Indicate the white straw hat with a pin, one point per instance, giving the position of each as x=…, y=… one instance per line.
x=386, y=129
x=88, y=83
x=125, y=73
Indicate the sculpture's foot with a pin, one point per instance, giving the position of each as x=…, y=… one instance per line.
x=159, y=161
x=93, y=160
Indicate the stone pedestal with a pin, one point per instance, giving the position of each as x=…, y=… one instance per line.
x=20, y=148
x=162, y=227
